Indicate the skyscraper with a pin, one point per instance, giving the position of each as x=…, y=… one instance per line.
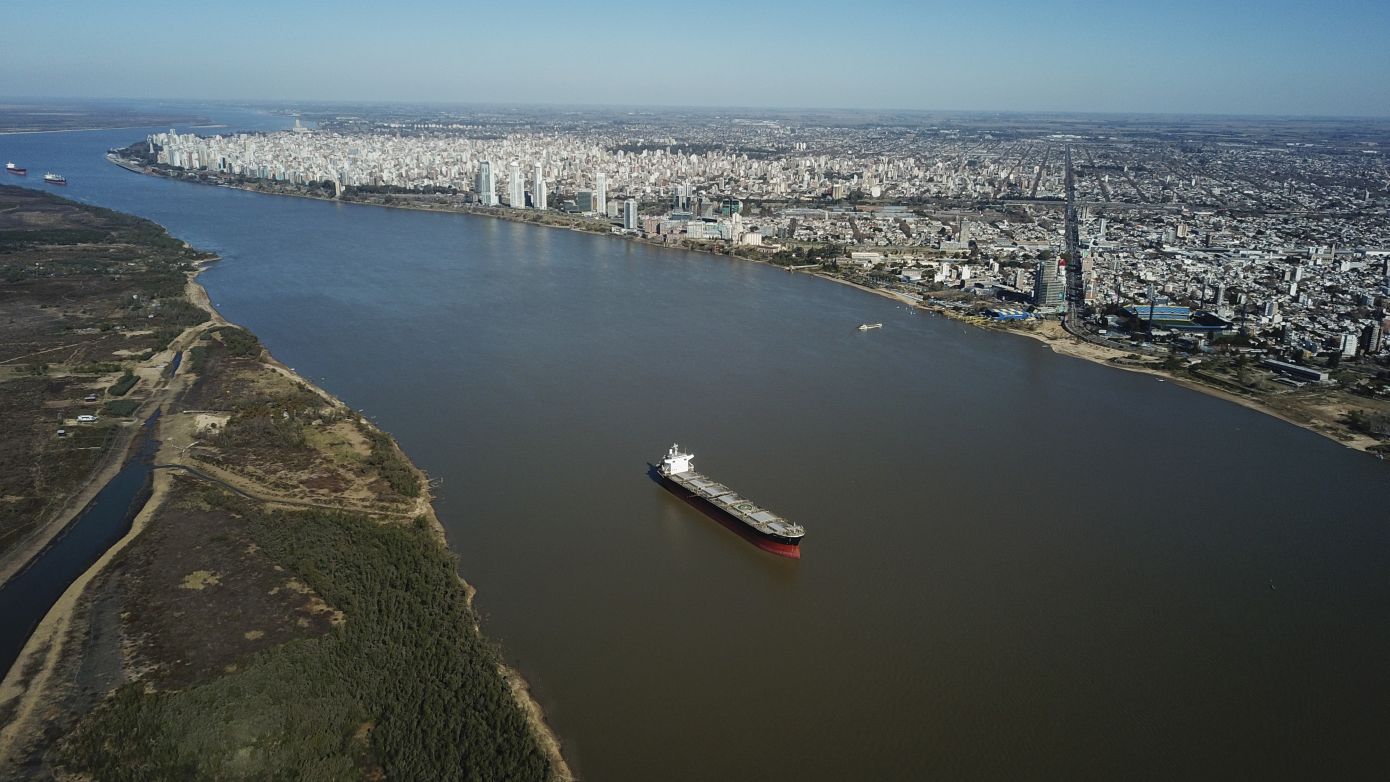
x=601, y=193
x=516, y=195
x=487, y=189
x=538, y=187
x=630, y=215
x=1050, y=288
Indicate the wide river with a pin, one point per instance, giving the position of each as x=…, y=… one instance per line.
x=1017, y=565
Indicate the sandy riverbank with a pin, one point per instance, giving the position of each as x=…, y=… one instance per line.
x=1327, y=421
x=1051, y=334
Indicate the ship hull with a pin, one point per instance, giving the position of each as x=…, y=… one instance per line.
x=18, y=171
x=773, y=544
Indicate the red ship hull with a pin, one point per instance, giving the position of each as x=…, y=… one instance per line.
x=789, y=550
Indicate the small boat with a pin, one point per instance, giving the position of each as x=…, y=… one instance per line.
x=55, y=179
x=16, y=170
x=867, y=326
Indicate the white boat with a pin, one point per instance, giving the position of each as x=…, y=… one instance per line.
x=867, y=326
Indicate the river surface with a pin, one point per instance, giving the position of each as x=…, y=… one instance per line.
x=1017, y=564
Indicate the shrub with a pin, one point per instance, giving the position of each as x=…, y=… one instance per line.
x=127, y=382
x=121, y=407
x=198, y=358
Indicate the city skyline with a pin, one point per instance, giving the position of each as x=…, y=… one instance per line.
x=1184, y=58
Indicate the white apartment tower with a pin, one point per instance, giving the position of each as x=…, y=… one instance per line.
x=486, y=187
x=630, y=215
x=538, y=187
x=516, y=195
x=601, y=193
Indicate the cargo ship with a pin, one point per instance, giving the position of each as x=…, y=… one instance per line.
x=55, y=179
x=763, y=528
x=16, y=170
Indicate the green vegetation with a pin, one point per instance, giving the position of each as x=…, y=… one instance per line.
x=127, y=382
x=99, y=368
x=121, y=407
x=177, y=314
x=15, y=239
x=408, y=665
x=198, y=359
x=1375, y=424
x=264, y=424
x=239, y=341
x=392, y=465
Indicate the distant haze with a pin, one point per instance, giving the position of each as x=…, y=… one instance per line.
x=1178, y=56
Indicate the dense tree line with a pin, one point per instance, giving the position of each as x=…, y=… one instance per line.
x=124, y=384
x=392, y=464
x=239, y=341
x=14, y=239
x=408, y=664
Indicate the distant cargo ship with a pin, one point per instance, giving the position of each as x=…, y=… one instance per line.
x=16, y=170
x=763, y=528
x=55, y=179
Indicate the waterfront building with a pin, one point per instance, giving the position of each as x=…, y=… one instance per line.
x=487, y=189
x=630, y=215
x=584, y=200
x=1321, y=287
x=538, y=195
x=1049, y=287
x=516, y=195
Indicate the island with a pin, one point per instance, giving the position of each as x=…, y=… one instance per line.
x=279, y=598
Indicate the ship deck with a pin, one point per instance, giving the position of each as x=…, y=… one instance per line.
x=744, y=510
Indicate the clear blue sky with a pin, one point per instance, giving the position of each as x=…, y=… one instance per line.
x=1327, y=57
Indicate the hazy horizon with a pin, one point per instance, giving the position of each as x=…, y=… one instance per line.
x=1186, y=58
x=10, y=101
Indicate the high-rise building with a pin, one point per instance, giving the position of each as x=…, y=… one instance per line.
x=1050, y=287
x=601, y=193
x=1371, y=338
x=516, y=196
x=630, y=215
x=1348, y=343
x=680, y=197
x=538, y=194
x=584, y=201
x=487, y=189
